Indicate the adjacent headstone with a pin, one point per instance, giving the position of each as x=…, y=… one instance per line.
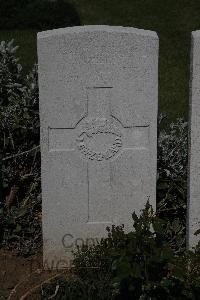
x=98, y=109
x=194, y=144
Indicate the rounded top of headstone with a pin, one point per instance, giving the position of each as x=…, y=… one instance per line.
x=196, y=34
x=96, y=28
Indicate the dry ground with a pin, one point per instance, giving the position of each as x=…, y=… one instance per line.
x=20, y=278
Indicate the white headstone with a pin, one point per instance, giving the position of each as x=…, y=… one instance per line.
x=98, y=110
x=194, y=144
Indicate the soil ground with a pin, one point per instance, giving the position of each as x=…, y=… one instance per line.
x=20, y=277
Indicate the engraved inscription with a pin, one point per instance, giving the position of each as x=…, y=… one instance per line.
x=100, y=139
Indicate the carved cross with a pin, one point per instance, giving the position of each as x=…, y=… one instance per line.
x=99, y=138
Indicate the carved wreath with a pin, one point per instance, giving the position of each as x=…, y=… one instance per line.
x=96, y=127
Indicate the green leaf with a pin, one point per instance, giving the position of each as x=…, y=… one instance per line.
x=136, y=270
x=26, y=115
x=134, y=217
x=115, y=283
x=163, y=185
x=167, y=254
x=22, y=212
x=158, y=226
x=18, y=228
x=197, y=232
x=176, y=225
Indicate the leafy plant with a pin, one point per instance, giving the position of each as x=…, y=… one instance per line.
x=10, y=72
x=21, y=227
x=20, y=156
x=137, y=265
x=172, y=180
x=74, y=288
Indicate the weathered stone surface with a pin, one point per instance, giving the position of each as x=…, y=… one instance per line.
x=194, y=144
x=98, y=110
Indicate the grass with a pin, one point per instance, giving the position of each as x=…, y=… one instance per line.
x=173, y=20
